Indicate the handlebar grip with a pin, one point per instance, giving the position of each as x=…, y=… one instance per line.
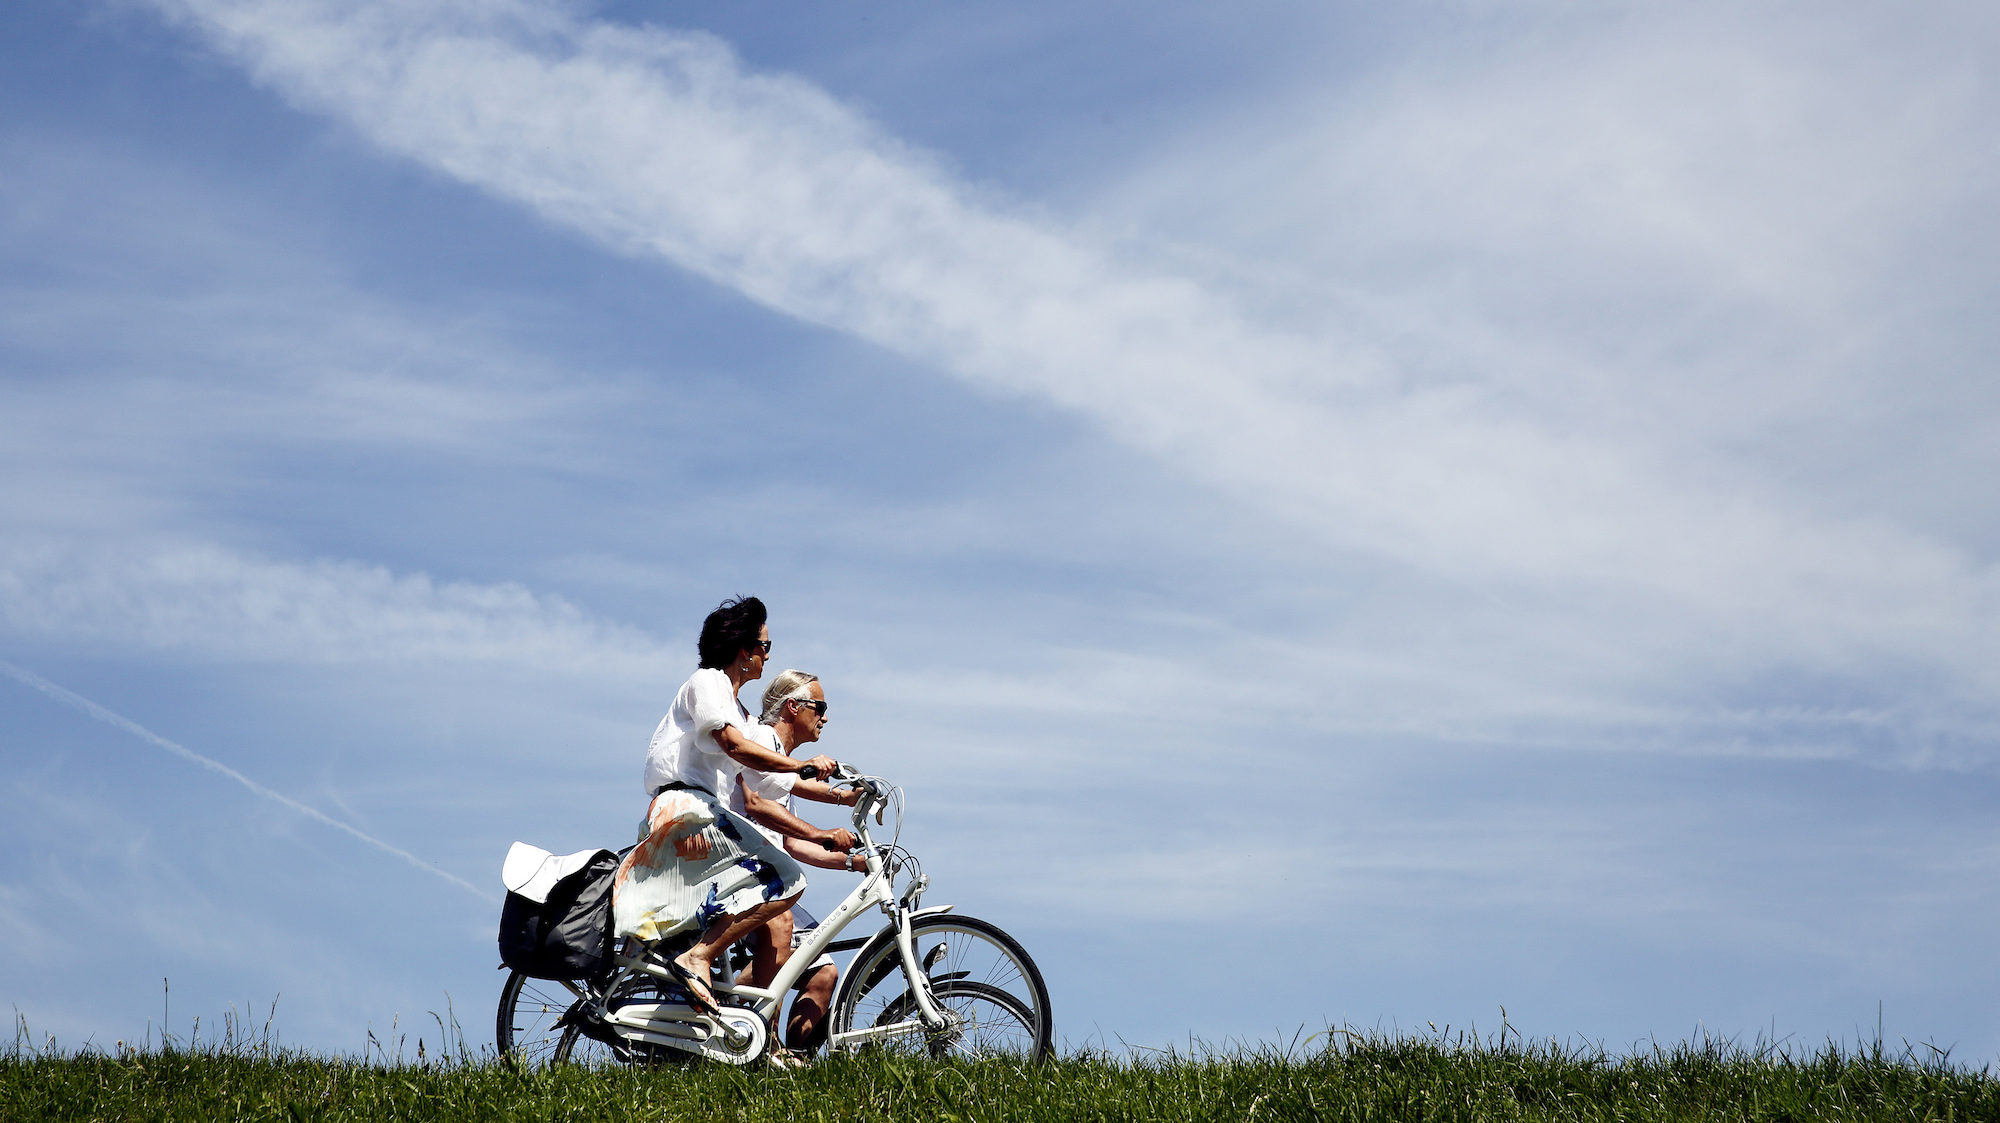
x=808, y=772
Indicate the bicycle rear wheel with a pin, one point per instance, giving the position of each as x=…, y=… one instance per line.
x=532, y=1031
x=977, y=974
x=529, y=1029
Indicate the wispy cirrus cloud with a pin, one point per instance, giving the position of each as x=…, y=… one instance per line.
x=1530, y=362
x=78, y=702
x=1689, y=227
x=210, y=602
x=663, y=144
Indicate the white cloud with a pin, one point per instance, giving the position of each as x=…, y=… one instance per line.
x=1515, y=453
x=660, y=143
x=238, y=372
x=210, y=602
x=166, y=339
x=1736, y=240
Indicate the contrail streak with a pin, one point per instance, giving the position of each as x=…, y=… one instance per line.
x=79, y=702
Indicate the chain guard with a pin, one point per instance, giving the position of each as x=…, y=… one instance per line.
x=673, y=1025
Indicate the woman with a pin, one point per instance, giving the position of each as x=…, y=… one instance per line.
x=702, y=865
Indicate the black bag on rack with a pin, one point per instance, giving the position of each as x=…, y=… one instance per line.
x=568, y=935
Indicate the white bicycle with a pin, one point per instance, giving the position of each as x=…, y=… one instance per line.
x=928, y=982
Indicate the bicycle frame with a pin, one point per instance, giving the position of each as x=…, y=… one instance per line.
x=682, y=1027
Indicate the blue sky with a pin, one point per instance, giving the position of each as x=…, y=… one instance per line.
x=1336, y=514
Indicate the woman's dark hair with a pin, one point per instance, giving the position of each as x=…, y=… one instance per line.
x=730, y=630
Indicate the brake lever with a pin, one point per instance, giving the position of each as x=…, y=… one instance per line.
x=881, y=797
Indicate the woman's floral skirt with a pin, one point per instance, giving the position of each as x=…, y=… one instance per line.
x=660, y=893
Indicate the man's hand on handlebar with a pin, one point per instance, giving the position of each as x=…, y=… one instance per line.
x=839, y=839
x=821, y=765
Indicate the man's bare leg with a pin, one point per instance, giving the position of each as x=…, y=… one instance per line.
x=770, y=948
x=807, y=1026
x=770, y=954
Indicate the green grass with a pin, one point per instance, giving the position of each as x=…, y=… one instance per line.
x=1344, y=1076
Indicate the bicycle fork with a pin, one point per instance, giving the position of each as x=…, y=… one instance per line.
x=919, y=975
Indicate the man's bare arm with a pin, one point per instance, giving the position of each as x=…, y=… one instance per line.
x=813, y=854
x=776, y=816
x=822, y=792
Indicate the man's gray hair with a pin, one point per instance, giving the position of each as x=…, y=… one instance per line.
x=787, y=686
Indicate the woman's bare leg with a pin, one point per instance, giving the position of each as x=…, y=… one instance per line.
x=698, y=960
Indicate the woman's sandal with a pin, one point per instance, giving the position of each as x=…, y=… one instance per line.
x=699, y=996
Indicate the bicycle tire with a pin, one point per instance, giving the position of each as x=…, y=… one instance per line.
x=531, y=1030
x=527, y=1027
x=990, y=1022
x=973, y=961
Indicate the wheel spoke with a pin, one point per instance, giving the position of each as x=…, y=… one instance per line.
x=539, y=1025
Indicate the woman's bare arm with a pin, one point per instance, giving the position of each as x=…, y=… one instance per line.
x=744, y=751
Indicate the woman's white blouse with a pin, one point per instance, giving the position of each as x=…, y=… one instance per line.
x=684, y=747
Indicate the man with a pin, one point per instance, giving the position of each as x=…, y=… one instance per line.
x=794, y=715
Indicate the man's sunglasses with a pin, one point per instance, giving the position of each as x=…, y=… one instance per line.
x=818, y=705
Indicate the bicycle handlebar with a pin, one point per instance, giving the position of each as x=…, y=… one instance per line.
x=875, y=788
x=843, y=773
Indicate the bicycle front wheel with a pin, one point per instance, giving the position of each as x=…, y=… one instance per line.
x=977, y=975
